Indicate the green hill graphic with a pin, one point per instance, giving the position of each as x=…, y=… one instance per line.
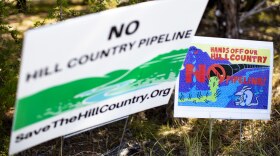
x=58, y=99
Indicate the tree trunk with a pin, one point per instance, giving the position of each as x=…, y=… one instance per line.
x=221, y=19
x=232, y=18
x=21, y=6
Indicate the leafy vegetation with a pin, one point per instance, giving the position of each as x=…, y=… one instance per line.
x=155, y=131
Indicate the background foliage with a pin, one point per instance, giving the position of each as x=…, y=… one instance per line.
x=153, y=132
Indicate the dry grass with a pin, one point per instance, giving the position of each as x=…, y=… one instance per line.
x=155, y=132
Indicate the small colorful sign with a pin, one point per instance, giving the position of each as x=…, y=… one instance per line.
x=225, y=78
x=92, y=70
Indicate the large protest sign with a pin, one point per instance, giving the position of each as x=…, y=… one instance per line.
x=225, y=78
x=94, y=69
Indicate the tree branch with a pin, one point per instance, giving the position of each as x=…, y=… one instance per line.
x=257, y=9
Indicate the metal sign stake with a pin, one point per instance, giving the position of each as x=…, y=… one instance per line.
x=240, y=136
x=121, y=140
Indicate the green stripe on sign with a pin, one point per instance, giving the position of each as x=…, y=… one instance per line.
x=58, y=99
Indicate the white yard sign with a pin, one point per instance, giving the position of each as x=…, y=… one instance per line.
x=94, y=69
x=225, y=78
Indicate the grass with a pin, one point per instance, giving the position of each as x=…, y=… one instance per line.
x=154, y=131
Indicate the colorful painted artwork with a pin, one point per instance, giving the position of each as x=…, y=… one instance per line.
x=225, y=77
